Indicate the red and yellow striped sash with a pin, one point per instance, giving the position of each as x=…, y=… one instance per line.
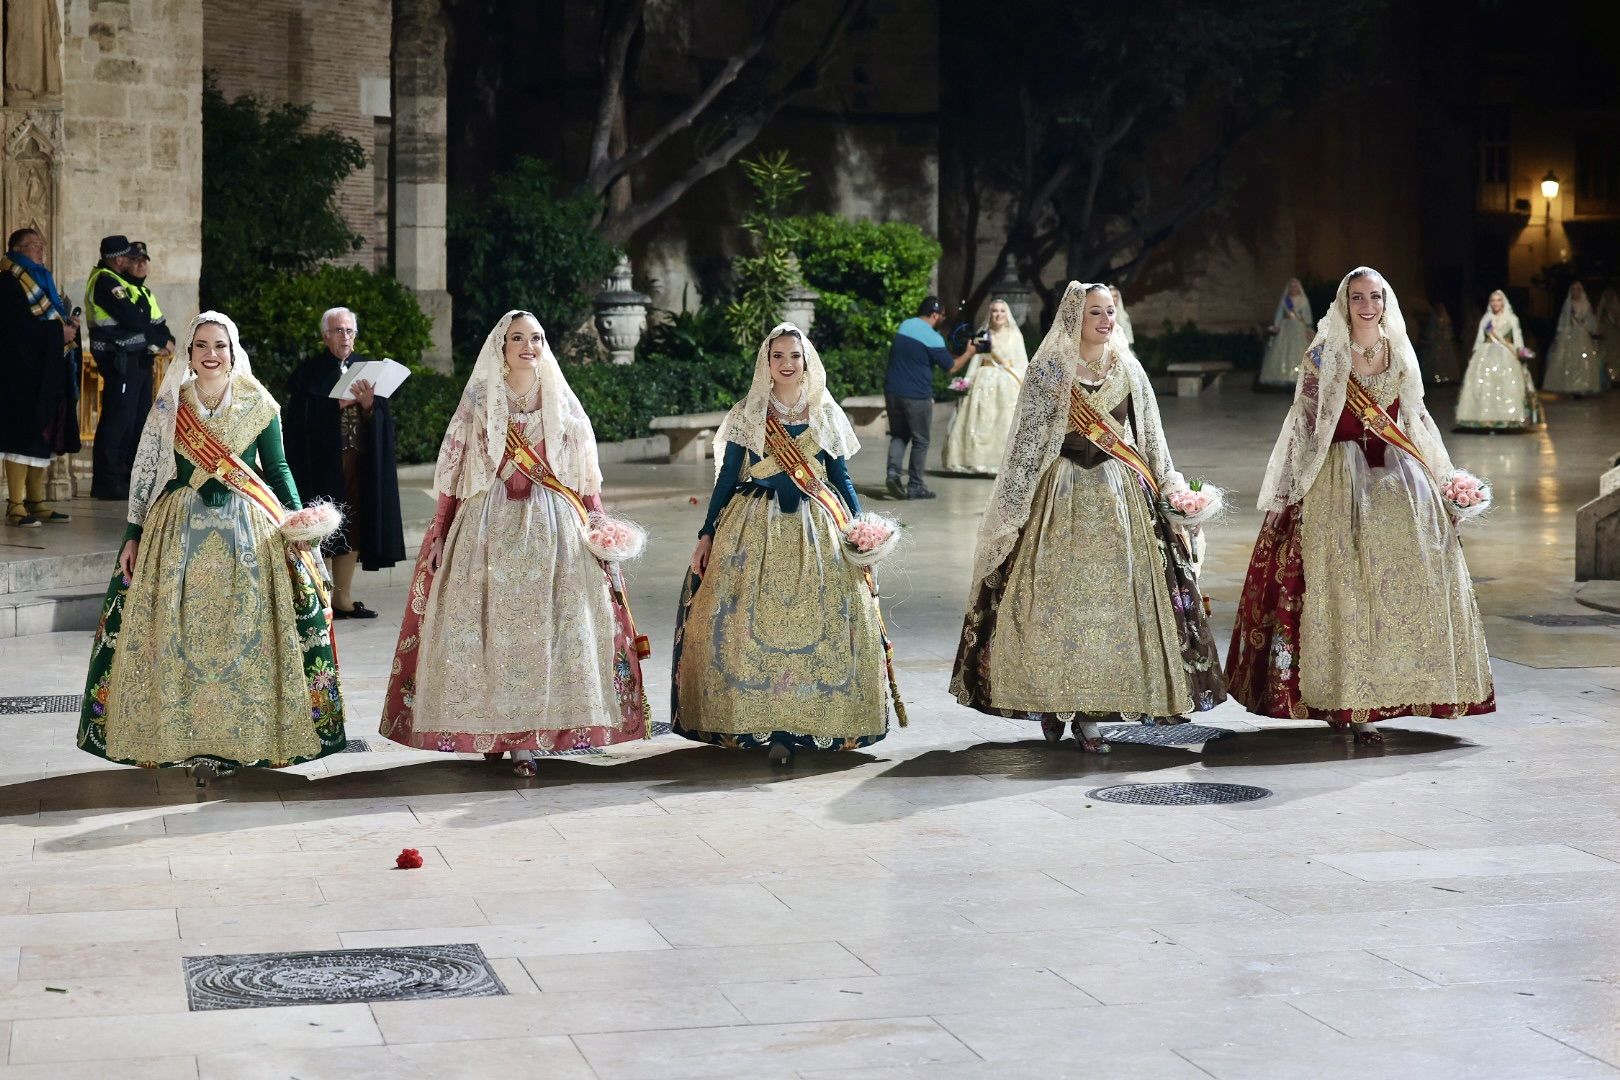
x=788, y=454
x=203, y=449
x=532, y=465
x=1376, y=420
x=1098, y=427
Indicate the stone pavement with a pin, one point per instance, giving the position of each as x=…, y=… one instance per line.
x=951, y=904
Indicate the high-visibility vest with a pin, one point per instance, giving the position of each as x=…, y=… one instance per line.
x=96, y=316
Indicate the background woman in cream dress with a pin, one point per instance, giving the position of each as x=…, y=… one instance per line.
x=1498, y=391
x=1575, y=364
x=983, y=420
x=1291, y=328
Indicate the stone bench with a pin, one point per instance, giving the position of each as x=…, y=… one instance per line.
x=1193, y=376
x=689, y=434
x=866, y=413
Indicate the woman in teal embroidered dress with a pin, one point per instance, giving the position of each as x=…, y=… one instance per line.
x=214, y=649
x=778, y=640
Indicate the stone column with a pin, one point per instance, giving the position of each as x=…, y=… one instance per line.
x=421, y=124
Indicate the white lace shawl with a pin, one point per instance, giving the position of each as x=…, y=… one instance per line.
x=154, y=456
x=1608, y=308
x=1576, y=309
x=1504, y=324
x=475, y=442
x=1042, y=422
x=1307, y=432
x=745, y=423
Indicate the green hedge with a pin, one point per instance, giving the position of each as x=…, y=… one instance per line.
x=422, y=408
x=871, y=277
x=524, y=246
x=279, y=317
x=1243, y=349
x=687, y=363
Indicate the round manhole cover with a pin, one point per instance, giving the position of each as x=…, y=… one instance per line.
x=1178, y=794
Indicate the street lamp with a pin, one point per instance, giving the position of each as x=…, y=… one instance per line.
x=1549, y=191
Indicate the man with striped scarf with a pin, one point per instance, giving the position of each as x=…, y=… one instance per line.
x=39, y=386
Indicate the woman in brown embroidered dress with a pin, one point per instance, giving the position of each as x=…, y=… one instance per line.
x=1085, y=601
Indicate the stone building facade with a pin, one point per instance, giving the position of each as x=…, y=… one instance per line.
x=102, y=125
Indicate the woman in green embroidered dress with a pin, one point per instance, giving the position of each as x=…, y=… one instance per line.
x=214, y=649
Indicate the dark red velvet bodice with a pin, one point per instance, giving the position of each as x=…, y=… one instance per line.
x=1350, y=429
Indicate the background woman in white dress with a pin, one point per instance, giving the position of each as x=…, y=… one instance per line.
x=1291, y=329
x=1574, y=363
x=1122, y=321
x=983, y=420
x=1498, y=392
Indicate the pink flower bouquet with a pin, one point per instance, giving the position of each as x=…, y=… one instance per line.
x=1466, y=495
x=870, y=538
x=1526, y=354
x=614, y=539
x=960, y=384
x=312, y=524
x=1200, y=504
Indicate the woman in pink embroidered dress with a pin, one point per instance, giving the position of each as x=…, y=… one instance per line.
x=516, y=637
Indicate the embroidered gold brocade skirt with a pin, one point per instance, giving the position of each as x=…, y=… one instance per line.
x=215, y=648
x=782, y=635
x=1085, y=622
x=1389, y=617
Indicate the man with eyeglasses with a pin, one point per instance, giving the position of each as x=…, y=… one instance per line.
x=343, y=451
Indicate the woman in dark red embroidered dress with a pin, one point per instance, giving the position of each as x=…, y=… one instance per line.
x=1358, y=606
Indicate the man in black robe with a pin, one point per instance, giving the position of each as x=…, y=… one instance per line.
x=39, y=376
x=344, y=452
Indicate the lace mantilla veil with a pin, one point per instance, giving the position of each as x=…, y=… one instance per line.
x=1504, y=325
x=1042, y=422
x=475, y=442
x=745, y=423
x=154, y=456
x=1307, y=433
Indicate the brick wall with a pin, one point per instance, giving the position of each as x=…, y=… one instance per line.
x=132, y=127
x=333, y=57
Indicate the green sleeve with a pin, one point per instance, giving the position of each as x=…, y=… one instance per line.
x=132, y=531
x=273, y=466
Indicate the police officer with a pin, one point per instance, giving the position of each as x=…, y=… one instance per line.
x=119, y=313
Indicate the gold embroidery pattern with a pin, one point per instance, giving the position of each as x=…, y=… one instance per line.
x=1085, y=624
x=783, y=634
x=1389, y=617
x=208, y=658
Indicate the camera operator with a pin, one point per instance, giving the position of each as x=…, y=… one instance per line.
x=908, y=392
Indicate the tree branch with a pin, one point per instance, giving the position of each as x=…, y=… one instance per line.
x=615, y=55
x=619, y=226
x=605, y=171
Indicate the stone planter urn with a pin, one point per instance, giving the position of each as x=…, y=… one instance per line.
x=800, y=308
x=621, y=313
x=1020, y=298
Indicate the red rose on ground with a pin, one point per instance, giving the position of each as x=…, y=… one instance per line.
x=409, y=859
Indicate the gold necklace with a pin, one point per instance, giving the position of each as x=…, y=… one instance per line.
x=219, y=398
x=1370, y=352
x=523, y=399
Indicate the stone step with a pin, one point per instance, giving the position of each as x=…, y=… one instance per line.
x=49, y=611
x=47, y=571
